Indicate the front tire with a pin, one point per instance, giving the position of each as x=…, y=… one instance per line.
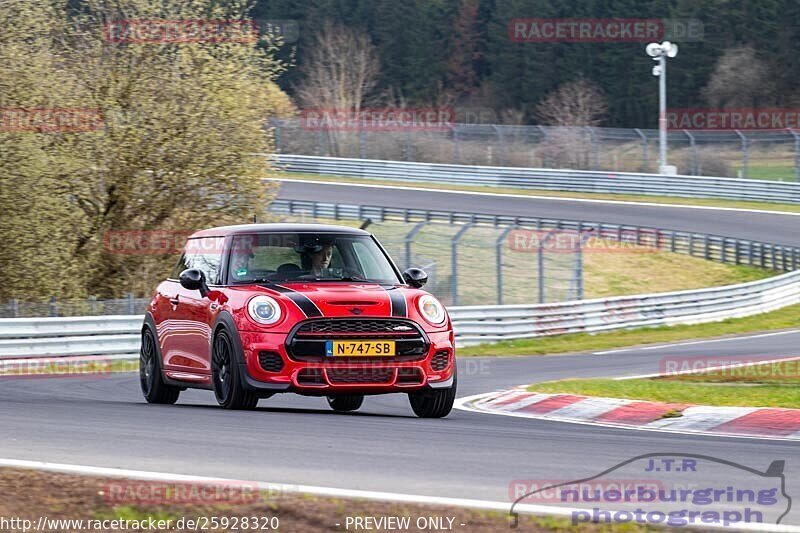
x=154, y=389
x=225, y=375
x=434, y=403
x=345, y=402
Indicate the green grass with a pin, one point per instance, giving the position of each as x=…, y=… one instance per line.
x=776, y=172
x=762, y=385
x=759, y=173
x=786, y=318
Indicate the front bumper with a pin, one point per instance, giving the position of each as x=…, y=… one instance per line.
x=328, y=376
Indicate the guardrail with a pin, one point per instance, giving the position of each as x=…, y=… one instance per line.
x=547, y=179
x=70, y=336
x=119, y=335
x=711, y=247
x=478, y=324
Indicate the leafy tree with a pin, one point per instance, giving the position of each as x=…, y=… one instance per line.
x=182, y=124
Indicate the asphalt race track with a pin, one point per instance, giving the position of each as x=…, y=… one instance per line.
x=293, y=439
x=774, y=228
x=103, y=421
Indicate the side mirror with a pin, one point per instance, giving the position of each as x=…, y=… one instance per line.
x=193, y=279
x=416, y=277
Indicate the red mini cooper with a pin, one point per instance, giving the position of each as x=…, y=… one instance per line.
x=319, y=310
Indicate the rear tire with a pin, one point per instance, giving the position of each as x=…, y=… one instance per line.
x=434, y=403
x=151, y=380
x=225, y=376
x=345, y=402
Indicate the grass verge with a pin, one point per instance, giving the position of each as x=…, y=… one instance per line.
x=786, y=318
x=757, y=385
x=29, y=495
x=666, y=200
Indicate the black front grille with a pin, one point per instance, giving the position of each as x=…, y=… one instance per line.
x=270, y=361
x=440, y=360
x=358, y=327
x=307, y=341
x=360, y=375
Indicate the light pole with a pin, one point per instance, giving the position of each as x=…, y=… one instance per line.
x=660, y=53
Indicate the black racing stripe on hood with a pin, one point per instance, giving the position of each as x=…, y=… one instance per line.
x=398, y=301
x=305, y=303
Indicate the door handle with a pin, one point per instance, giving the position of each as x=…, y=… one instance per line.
x=174, y=301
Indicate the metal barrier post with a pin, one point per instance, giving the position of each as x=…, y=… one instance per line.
x=796, y=154
x=455, y=145
x=131, y=303
x=579, y=267
x=744, y=153
x=13, y=305
x=410, y=238
x=693, y=148
x=593, y=142
x=53, y=306
x=540, y=260
x=279, y=136
x=499, y=255
x=454, y=262
x=502, y=145
x=546, y=147
x=644, y=148
x=362, y=152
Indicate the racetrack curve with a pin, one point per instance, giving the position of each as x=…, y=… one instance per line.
x=776, y=228
x=104, y=421
x=298, y=440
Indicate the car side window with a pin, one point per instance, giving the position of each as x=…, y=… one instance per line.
x=204, y=254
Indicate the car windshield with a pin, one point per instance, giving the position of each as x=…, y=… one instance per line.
x=282, y=257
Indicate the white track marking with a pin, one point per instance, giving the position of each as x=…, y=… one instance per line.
x=589, y=408
x=526, y=508
x=703, y=418
x=690, y=343
x=536, y=197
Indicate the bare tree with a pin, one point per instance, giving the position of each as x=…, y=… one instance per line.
x=573, y=107
x=740, y=79
x=340, y=71
x=577, y=103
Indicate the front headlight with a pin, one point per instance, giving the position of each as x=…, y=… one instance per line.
x=431, y=309
x=264, y=310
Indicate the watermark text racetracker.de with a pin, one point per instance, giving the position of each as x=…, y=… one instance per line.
x=378, y=119
x=62, y=367
x=733, y=119
x=150, y=523
x=572, y=241
x=166, y=31
x=49, y=120
x=597, y=30
x=742, y=366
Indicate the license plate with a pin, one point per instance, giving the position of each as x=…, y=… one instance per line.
x=359, y=348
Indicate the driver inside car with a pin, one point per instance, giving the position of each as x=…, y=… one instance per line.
x=240, y=264
x=321, y=261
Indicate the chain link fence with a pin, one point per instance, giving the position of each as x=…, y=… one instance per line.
x=466, y=264
x=767, y=154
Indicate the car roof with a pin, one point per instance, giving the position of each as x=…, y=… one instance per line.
x=224, y=231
